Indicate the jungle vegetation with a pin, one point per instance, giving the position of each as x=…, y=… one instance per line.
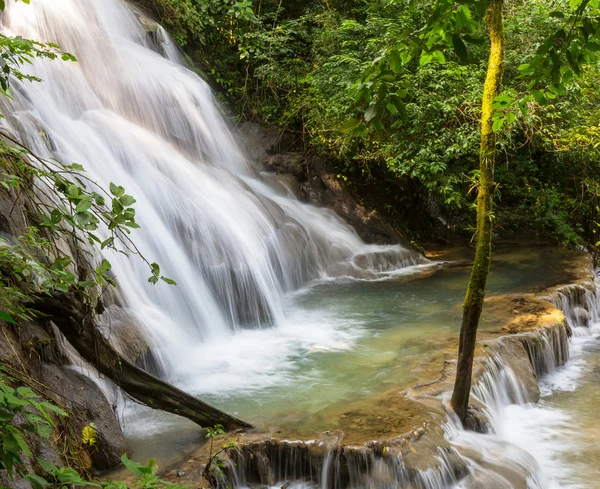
x=301, y=65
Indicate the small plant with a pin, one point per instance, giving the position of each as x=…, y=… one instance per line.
x=22, y=412
x=23, y=415
x=146, y=477
x=213, y=471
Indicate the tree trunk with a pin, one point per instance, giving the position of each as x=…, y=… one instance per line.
x=475, y=296
x=75, y=321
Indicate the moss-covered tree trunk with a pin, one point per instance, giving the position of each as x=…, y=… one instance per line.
x=477, y=284
x=74, y=319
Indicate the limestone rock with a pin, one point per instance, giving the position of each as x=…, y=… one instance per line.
x=581, y=316
x=514, y=355
x=259, y=142
x=287, y=163
x=123, y=331
x=88, y=405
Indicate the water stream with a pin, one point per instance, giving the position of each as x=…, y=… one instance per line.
x=281, y=310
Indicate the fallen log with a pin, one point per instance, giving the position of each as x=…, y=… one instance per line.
x=74, y=319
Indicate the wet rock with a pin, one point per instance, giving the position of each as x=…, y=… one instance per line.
x=287, y=163
x=515, y=356
x=477, y=420
x=319, y=184
x=581, y=316
x=124, y=332
x=259, y=142
x=88, y=405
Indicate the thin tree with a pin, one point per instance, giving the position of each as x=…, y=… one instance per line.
x=476, y=289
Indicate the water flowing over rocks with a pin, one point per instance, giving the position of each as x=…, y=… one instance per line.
x=437, y=453
x=312, y=180
x=238, y=234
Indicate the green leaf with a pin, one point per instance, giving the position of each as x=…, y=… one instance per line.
x=371, y=112
x=350, y=125
x=36, y=481
x=539, y=96
x=73, y=191
x=2, y=5
x=425, y=59
x=133, y=467
x=572, y=63
x=439, y=57
x=474, y=39
x=86, y=285
x=6, y=317
x=168, y=281
x=459, y=47
x=117, y=191
x=127, y=200
x=395, y=61
x=62, y=288
x=84, y=204
x=557, y=14
x=593, y=46
x=16, y=435
x=497, y=125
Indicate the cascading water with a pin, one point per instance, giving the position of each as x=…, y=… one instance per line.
x=132, y=114
x=530, y=444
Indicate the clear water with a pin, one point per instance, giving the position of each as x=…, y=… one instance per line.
x=346, y=341
x=562, y=431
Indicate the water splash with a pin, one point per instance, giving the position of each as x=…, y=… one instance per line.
x=529, y=443
x=131, y=113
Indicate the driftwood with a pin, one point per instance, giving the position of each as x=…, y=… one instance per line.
x=74, y=319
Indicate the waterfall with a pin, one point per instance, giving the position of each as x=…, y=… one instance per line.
x=131, y=113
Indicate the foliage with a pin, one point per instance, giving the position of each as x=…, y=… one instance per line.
x=17, y=51
x=213, y=470
x=65, y=205
x=321, y=69
x=33, y=417
x=24, y=416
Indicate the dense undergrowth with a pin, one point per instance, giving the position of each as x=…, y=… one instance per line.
x=295, y=65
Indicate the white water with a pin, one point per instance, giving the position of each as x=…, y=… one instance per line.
x=546, y=443
x=130, y=113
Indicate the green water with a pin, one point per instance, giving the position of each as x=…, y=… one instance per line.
x=346, y=341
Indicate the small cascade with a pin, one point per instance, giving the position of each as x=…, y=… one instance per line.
x=496, y=388
x=505, y=393
x=548, y=349
x=579, y=305
x=501, y=458
x=317, y=465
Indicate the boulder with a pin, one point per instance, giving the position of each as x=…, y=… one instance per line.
x=286, y=163
x=88, y=405
x=259, y=142
x=123, y=331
